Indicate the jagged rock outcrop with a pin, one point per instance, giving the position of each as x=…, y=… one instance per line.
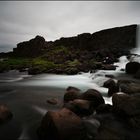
x=105, y=43
x=31, y=48
x=114, y=40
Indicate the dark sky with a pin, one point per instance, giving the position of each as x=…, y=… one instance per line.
x=20, y=21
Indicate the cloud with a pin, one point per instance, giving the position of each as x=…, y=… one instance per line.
x=22, y=20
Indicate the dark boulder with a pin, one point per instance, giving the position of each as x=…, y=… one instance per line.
x=5, y=114
x=128, y=86
x=61, y=125
x=109, y=83
x=111, y=128
x=125, y=104
x=92, y=125
x=70, y=88
x=112, y=87
x=127, y=107
x=71, y=70
x=132, y=67
x=137, y=74
x=109, y=76
x=80, y=107
x=108, y=67
x=119, y=101
x=104, y=108
x=71, y=94
x=94, y=96
x=34, y=70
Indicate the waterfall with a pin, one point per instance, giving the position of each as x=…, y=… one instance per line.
x=137, y=49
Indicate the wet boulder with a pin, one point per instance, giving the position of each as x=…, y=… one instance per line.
x=94, y=96
x=119, y=101
x=110, y=128
x=132, y=67
x=71, y=94
x=92, y=125
x=128, y=86
x=137, y=75
x=61, y=125
x=104, y=108
x=112, y=87
x=80, y=107
x=5, y=114
x=70, y=88
x=109, y=76
x=128, y=107
x=34, y=70
x=71, y=70
x=108, y=67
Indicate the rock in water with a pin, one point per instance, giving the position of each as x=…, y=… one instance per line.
x=91, y=126
x=128, y=86
x=137, y=75
x=5, y=114
x=80, y=107
x=71, y=94
x=104, y=108
x=127, y=107
x=70, y=88
x=94, y=96
x=112, y=86
x=132, y=67
x=61, y=125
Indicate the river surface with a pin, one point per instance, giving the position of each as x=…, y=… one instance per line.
x=26, y=96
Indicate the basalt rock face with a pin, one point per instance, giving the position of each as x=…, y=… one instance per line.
x=106, y=43
x=31, y=48
x=114, y=39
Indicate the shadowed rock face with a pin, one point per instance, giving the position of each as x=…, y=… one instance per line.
x=31, y=48
x=61, y=125
x=106, y=43
x=120, y=37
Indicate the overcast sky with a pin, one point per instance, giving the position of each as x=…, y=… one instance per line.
x=23, y=20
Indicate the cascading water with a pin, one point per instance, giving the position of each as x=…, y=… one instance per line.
x=136, y=50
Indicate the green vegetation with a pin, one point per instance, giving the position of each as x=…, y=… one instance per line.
x=14, y=63
x=73, y=63
x=42, y=64
x=60, y=49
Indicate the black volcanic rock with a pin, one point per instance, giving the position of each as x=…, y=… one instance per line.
x=31, y=48
x=110, y=43
x=114, y=39
x=132, y=67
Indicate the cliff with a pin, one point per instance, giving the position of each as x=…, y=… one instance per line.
x=116, y=40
